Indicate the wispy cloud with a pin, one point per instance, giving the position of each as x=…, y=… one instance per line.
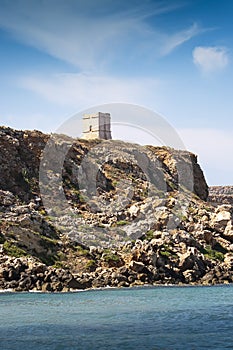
x=210, y=59
x=179, y=38
x=93, y=35
x=84, y=90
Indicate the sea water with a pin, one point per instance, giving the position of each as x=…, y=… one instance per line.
x=114, y=319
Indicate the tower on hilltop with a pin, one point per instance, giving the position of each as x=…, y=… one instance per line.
x=97, y=126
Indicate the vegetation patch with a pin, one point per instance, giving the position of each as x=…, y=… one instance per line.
x=82, y=251
x=12, y=250
x=91, y=265
x=42, y=212
x=149, y=235
x=122, y=222
x=111, y=259
x=213, y=254
x=47, y=242
x=167, y=251
x=59, y=265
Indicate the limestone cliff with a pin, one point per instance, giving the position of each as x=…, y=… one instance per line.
x=21, y=151
x=106, y=213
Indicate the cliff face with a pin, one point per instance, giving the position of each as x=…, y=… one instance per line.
x=20, y=156
x=21, y=152
x=106, y=213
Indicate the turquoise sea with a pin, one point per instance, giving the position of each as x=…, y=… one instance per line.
x=141, y=318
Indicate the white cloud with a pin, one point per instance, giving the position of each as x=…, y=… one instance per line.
x=85, y=90
x=210, y=59
x=92, y=35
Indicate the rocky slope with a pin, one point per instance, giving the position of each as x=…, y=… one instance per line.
x=78, y=214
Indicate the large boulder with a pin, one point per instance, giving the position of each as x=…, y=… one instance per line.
x=221, y=217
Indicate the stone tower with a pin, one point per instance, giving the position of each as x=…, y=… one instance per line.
x=97, y=126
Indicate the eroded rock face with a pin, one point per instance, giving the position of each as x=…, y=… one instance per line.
x=21, y=151
x=19, y=158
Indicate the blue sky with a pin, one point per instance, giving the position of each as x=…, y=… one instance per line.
x=175, y=57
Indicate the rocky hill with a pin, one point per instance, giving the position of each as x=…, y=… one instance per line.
x=221, y=194
x=78, y=214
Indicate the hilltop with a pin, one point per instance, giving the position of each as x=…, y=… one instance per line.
x=79, y=214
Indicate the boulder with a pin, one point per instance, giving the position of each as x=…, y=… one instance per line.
x=208, y=237
x=74, y=284
x=228, y=232
x=220, y=218
x=137, y=266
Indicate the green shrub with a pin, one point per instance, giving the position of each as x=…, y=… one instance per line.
x=111, y=258
x=122, y=223
x=48, y=242
x=58, y=265
x=149, y=235
x=42, y=212
x=91, y=264
x=82, y=251
x=213, y=254
x=13, y=250
x=61, y=255
x=165, y=253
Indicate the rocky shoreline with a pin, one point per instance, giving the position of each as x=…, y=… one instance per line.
x=26, y=274
x=178, y=257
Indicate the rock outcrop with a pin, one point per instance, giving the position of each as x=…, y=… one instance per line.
x=143, y=218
